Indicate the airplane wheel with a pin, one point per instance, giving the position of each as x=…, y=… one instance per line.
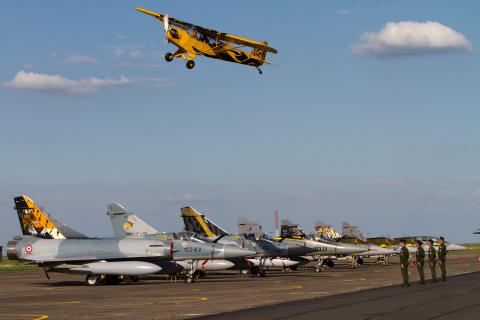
x=92, y=280
x=360, y=261
x=134, y=278
x=169, y=57
x=189, y=279
x=190, y=64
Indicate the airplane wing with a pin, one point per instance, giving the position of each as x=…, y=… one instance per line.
x=171, y=21
x=213, y=33
x=243, y=41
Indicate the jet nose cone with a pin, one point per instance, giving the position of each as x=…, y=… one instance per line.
x=455, y=247
x=230, y=252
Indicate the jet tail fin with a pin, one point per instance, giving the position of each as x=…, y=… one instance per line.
x=35, y=222
x=246, y=226
x=126, y=224
x=196, y=222
x=325, y=231
x=351, y=231
x=289, y=229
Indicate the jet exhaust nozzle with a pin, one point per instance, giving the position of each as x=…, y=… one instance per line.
x=12, y=252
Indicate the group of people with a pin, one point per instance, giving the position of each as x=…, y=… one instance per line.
x=420, y=260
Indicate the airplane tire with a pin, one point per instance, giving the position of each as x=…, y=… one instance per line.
x=92, y=280
x=360, y=261
x=134, y=278
x=190, y=64
x=169, y=57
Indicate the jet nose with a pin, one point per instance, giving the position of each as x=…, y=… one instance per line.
x=455, y=247
x=230, y=252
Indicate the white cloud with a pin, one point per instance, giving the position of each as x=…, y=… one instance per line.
x=56, y=83
x=136, y=54
x=412, y=38
x=80, y=59
x=118, y=52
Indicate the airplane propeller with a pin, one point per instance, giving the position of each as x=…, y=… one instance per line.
x=166, y=25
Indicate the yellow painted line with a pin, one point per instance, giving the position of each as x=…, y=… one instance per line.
x=196, y=290
x=204, y=299
x=27, y=315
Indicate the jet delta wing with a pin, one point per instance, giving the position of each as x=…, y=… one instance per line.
x=105, y=259
x=267, y=248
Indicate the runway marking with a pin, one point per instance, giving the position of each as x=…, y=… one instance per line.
x=35, y=316
x=144, y=304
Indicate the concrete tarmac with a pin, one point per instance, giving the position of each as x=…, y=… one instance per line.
x=29, y=295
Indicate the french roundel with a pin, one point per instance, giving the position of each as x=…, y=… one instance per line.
x=28, y=248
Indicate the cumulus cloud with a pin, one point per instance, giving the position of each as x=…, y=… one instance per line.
x=80, y=59
x=412, y=38
x=135, y=54
x=56, y=83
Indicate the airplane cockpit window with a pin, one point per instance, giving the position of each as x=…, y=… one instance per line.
x=190, y=236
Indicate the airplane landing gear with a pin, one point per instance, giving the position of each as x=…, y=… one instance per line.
x=260, y=71
x=190, y=64
x=169, y=57
x=92, y=280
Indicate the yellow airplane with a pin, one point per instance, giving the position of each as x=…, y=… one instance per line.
x=193, y=41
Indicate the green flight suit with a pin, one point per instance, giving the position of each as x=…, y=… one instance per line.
x=442, y=257
x=404, y=257
x=420, y=257
x=432, y=260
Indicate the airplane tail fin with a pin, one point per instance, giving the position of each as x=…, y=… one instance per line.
x=246, y=226
x=325, y=231
x=291, y=230
x=35, y=222
x=351, y=231
x=196, y=222
x=260, y=54
x=126, y=224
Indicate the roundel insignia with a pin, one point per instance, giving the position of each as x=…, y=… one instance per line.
x=28, y=248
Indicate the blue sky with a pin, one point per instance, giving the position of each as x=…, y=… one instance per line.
x=385, y=138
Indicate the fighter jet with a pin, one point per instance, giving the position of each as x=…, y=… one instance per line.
x=411, y=240
x=126, y=224
x=269, y=251
x=107, y=260
x=325, y=250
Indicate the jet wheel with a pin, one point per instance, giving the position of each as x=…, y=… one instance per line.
x=190, y=64
x=92, y=280
x=169, y=57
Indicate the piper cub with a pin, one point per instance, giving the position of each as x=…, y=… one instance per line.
x=193, y=41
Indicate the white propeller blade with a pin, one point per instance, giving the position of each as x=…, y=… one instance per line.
x=165, y=22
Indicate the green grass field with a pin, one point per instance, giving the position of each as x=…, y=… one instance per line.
x=10, y=265
x=472, y=247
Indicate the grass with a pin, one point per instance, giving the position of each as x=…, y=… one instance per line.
x=12, y=265
x=471, y=247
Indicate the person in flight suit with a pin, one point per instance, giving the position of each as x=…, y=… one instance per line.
x=404, y=256
x=420, y=257
x=432, y=260
x=442, y=257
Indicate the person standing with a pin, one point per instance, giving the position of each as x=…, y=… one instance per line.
x=420, y=257
x=442, y=258
x=404, y=257
x=432, y=260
